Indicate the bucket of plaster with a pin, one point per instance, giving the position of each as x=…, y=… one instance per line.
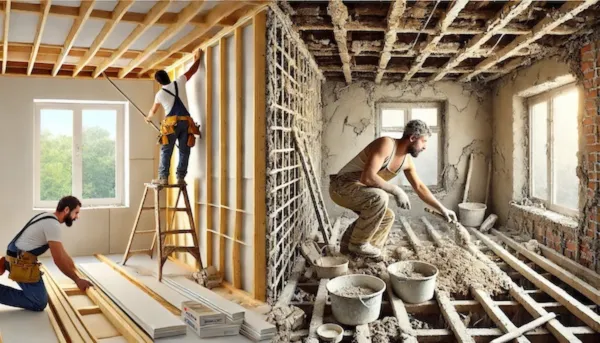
x=330, y=333
x=413, y=281
x=471, y=213
x=328, y=267
x=356, y=298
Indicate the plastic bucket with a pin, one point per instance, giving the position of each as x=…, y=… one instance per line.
x=355, y=309
x=413, y=290
x=471, y=213
x=329, y=267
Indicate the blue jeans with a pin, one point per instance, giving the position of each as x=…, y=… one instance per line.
x=32, y=296
x=180, y=136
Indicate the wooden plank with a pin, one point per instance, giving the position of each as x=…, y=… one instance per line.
x=395, y=13
x=60, y=336
x=399, y=310
x=567, y=277
x=495, y=313
x=363, y=334
x=584, y=273
x=468, y=182
x=239, y=155
x=84, y=13
x=412, y=237
x=288, y=292
x=340, y=34
x=318, y=312
x=452, y=318
x=149, y=19
x=260, y=166
x=39, y=32
x=578, y=309
x=88, y=310
x=7, y=6
x=183, y=17
x=509, y=336
x=209, y=152
x=223, y=137
x=437, y=239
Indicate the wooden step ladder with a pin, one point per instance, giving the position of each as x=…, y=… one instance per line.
x=159, y=235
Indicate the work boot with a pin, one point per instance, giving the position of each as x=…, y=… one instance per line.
x=346, y=239
x=160, y=181
x=365, y=249
x=181, y=181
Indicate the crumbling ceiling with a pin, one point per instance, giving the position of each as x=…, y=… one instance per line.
x=435, y=40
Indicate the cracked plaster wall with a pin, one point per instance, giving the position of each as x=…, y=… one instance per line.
x=349, y=124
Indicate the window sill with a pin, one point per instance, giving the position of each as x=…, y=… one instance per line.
x=558, y=218
x=86, y=208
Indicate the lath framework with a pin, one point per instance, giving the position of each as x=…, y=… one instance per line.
x=435, y=40
x=200, y=22
x=535, y=289
x=293, y=100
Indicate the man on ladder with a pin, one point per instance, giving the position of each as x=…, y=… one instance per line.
x=41, y=233
x=178, y=125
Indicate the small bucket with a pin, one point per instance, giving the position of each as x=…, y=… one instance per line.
x=471, y=213
x=413, y=290
x=356, y=309
x=330, y=333
x=328, y=267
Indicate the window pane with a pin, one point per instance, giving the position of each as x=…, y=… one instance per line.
x=539, y=157
x=392, y=118
x=56, y=153
x=393, y=134
x=428, y=115
x=564, y=117
x=98, y=153
x=427, y=163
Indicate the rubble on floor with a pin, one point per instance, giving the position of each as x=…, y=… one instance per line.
x=286, y=319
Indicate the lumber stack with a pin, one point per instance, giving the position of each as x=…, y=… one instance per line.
x=253, y=326
x=149, y=314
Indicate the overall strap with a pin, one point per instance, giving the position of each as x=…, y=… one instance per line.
x=33, y=220
x=385, y=165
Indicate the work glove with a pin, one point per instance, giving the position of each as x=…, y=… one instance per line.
x=401, y=198
x=449, y=215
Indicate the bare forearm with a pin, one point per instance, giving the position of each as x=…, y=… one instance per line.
x=425, y=194
x=67, y=266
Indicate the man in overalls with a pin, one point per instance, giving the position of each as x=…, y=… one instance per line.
x=362, y=186
x=178, y=125
x=41, y=233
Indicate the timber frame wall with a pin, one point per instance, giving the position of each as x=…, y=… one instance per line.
x=294, y=100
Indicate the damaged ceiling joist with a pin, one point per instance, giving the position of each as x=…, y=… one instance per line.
x=448, y=37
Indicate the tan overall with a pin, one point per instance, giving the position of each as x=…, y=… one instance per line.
x=375, y=219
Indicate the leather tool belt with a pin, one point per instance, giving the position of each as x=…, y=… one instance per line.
x=25, y=268
x=167, y=127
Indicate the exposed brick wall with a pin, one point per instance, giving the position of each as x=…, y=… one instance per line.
x=590, y=64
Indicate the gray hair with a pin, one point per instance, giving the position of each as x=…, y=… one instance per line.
x=416, y=128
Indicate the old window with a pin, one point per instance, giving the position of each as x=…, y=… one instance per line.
x=393, y=117
x=79, y=149
x=553, y=147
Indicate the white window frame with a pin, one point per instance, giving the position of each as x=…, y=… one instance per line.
x=532, y=101
x=439, y=129
x=77, y=159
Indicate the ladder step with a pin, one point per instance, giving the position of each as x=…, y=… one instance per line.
x=145, y=232
x=181, y=209
x=173, y=232
x=172, y=185
x=140, y=251
x=171, y=249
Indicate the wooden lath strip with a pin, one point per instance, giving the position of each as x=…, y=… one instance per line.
x=182, y=19
x=215, y=15
x=84, y=13
x=339, y=16
x=509, y=11
x=432, y=41
x=208, y=59
x=108, y=27
x=223, y=135
x=151, y=17
x=401, y=70
x=7, y=6
x=565, y=13
x=396, y=11
x=495, y=313
x=239, y=155
x=39, y=33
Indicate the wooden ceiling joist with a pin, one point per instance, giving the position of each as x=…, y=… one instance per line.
x=339, y=16
x=509, y=11
x=168, y=18
x=432, y=41
x=7, y=8
x=395, y=13
x=215, y=15
x=39, y=33
x=84, y=13
x=183, y=18
x=365, y=68
x=151, y=17
x=565, y=13
x=107, y=29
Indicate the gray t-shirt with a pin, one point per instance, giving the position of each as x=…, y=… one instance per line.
x=40, y=233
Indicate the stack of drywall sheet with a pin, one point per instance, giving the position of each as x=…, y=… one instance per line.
x=253, y=326
x=155, y=319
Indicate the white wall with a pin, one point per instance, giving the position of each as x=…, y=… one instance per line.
x=98, y=230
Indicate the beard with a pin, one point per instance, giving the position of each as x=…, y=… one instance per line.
x=412, y=150
x=68, y=221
